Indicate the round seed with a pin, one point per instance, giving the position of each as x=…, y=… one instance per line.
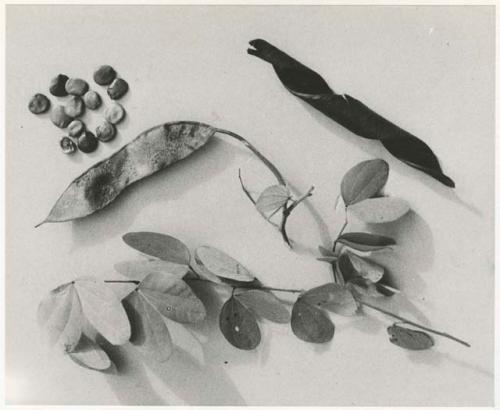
x=59, y=117
x=67, y=146
x=76, y=86
x=39, y=104
x=74, y=107
x=87, y=142
x=57, y=85
x=114, y=113
x=105, y=132
x=75, y=128
x=92, y=100
x=117, y=89
x=104, y=75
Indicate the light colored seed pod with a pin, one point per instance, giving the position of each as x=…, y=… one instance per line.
x=67, y=146
x=39, y=104
x=74, y=106
x=105, y=132
x=76, y=86
x=104, y=75
x=92, y=100
x=75, y=128
x=151, y=151
x=59, y=117
x=114, y=113
x=117, y=89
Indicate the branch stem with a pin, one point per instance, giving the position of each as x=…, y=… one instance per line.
x=136, y=282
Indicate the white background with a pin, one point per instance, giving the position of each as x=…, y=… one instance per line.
x=428, y=69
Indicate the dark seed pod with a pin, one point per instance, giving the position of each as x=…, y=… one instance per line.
x=67, y=146
x=104, y=75
x=87, y=142
x=57, y=85
x=39, y=104
x=105, y=132
x=117, y=89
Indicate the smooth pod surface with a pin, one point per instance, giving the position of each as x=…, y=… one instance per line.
x=148, y=153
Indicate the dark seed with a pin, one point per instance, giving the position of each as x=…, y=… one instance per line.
x=92, y=100
x=105, y=132
x=57, y=85
x=104, y=75
x=76, y=86
x=39, y=104
x=75, y=128
x=117, y=89
x=74, y=107
x=59, y=117
x=114, y=113
x=67, y=146
x=87, y=142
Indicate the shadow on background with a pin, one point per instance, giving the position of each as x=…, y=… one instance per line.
x=167, y=184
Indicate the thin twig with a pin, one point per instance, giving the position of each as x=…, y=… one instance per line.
x=136, y=282
x=245, y=190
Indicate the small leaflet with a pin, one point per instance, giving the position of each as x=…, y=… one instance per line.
x=160, y=246
x=329, y=259
x=365, y=287
x=204, y=272
x=103, y=309
x=365, y=267
x=325, y=252
x=238, y=325
x=221, y=264
x=272, y=199
x=379, y=210
x=149, y=330
x=364, y=181
x=90, y=355
x=172, y=297
x=409, y=338
x=139, y=269
x=60, y=314
x=363, y=241
x=265, y=304
x=310, y=323
x=333, y=297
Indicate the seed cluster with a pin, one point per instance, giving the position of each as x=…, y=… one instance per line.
x=79, y=98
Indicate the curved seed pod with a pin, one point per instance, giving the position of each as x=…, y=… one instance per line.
x=148, y=153
x=352, y=114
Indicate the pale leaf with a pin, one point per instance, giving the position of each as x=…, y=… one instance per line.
x=139, y=269
x=160, y=246
x=380, y=210
x=365, y=267
x=221, y=264
x=90, y=355
x=272, y=199
x=332, y=296
x=364, y=180
x=264, y=304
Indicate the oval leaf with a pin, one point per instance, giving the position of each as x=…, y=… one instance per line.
x=380, y=210
x=160, y=246
x=333, y=297
x=365, y=268
x=364, y=180
x=149, y=331
x=60, y=314
x=238, y=325
x=265, y=304
x=173, y=298
x=90, y=355
x=363, y=241
x=409, y=338
x=310, y=323
x=103, y=309
x=139, y=269
x=272, y=199
x=221, y=264
x=204, y=272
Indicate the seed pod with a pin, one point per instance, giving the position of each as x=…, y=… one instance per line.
x=75, y=128
x=114, y=113
x=87, y=142
x=117, y=89
x=74, y=106
x=57, y=85
x=105, y=132
x=67, y=146
x=151, y=151
x=39, y=104
x=92, y=100
x=59, y=117
x=104, y=75
x=76, y=86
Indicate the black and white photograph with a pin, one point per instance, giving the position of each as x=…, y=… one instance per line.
x=249, y=205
